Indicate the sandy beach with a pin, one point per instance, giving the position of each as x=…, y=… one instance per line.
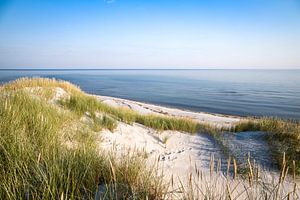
x=144, y=108
x=177, y=156
x=170, y=148
x=177, y=153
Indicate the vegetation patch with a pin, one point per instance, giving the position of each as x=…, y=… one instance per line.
x=34, y=163
x=283, y=135
x=46, y=93
x=82, y=104
x=104, y=122
x=40, y=82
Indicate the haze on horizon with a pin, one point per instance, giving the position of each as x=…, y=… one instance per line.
x=140, y=33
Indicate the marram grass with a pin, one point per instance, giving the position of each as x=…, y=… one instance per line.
x=35, y=165
x=82, y=104
x=283, y=135
x=104, y=122
x=39, y=82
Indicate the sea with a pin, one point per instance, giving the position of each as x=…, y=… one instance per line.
x=274, y=93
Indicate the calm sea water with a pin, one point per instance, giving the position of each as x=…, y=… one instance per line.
x=232, y=92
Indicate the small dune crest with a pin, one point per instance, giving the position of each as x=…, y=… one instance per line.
x=41, y=82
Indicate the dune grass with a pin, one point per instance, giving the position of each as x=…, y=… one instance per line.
x=45, y=93
x=162, y=123
x=35, y=165
x=252, y=183
x=22, y=83
x=82, y=104
x=283, y=135
x=278, y=127
x=104, y=122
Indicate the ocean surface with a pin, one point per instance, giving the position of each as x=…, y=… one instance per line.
x=231, y=92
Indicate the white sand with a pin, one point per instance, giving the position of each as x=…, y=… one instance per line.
x=144, y=108
x=178, y=155
x=179, y=159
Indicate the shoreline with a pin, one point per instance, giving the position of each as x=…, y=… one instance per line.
x=218, y=120
x=168, y=150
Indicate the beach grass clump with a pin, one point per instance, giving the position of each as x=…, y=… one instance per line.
x=27, y=115
x=279, y=128
x=34, y=163
x=275, y=126
x=163, y=123
x=283, y=135
x=46, y=93
x=29, y=134
x=104, y=121
x=252, y=182
x=82, y=104
x=128, y=178
x=22, y=83
x=246, y=125
x=209, y=129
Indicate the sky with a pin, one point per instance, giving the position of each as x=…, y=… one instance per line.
x=150, y=34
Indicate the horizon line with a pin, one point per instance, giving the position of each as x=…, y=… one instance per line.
x=68, y=69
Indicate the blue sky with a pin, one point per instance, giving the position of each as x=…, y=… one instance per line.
x=153, y=33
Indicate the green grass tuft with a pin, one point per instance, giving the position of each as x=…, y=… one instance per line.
x=22, y=83
x=283, y=135
x=162, y=123
x=34, y=163
x=104, y=122
x=82, y=104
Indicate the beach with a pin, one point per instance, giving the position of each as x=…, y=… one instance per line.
x=121, y=143
x=178, y=157
x=172, y=148
x=220, y=121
